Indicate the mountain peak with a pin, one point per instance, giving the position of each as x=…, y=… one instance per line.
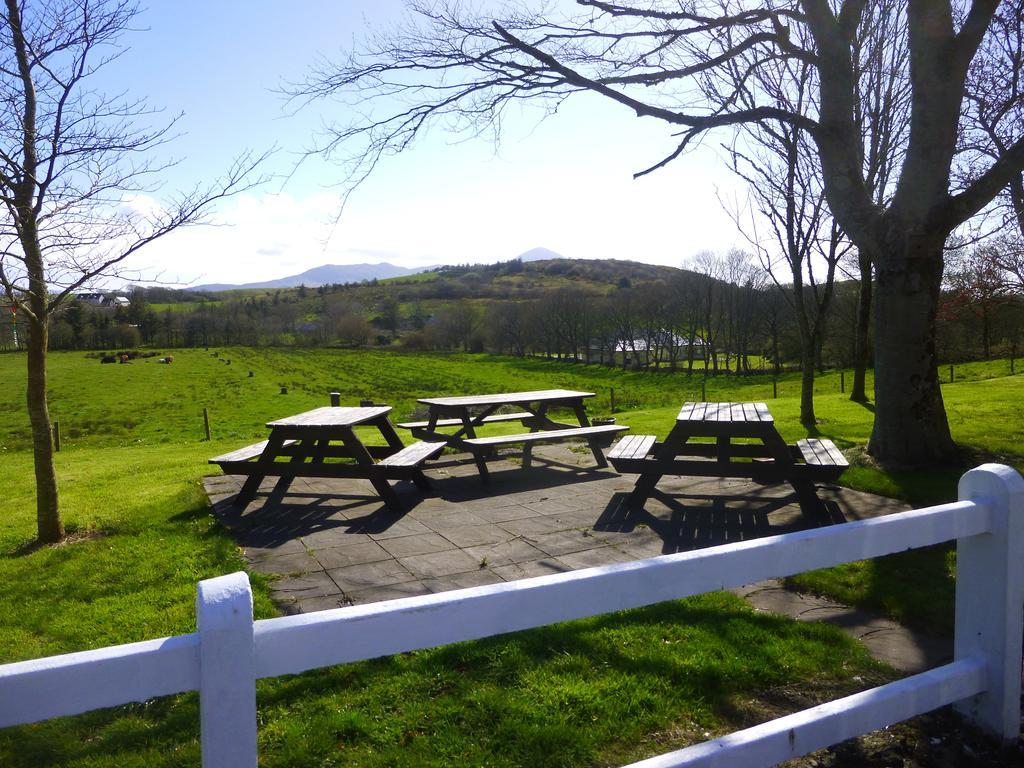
x=539, y=254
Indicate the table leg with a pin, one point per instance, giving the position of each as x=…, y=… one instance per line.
x=479, y=455
x=387, y=429
x=310, y=447
x=647, y=481
x=722, y=452
x=595, y=445
x=362, y=456
x=539, y=416
x=421, y=481
x=252, y=483
x=806, y=493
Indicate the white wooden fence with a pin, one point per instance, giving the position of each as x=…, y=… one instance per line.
x=229, y=652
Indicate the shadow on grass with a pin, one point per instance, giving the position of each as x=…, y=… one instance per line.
x=33, y=545
x=161, y=732
x=604, y=684
x=581, y=693
x=72, y=535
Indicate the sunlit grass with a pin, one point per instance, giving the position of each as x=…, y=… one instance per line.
x=602, y=691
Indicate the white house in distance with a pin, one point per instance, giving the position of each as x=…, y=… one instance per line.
x=103, y=299
x=661, y=347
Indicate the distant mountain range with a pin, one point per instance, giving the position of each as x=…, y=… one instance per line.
x=329, y=274
x=326, y=274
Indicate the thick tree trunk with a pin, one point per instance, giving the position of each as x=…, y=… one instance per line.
x=48, y=523
x=910, y=418
x=861, y=358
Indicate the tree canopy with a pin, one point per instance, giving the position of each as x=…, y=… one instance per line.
x=702, y=65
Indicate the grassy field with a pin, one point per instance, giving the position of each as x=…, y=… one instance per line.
x=593, y=692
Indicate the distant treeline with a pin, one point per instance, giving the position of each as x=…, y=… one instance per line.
x=611, y=312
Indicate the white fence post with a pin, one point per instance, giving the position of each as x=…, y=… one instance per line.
x=227, y=677
x=990, y=597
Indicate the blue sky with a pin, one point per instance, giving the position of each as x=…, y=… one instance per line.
x=563, y=182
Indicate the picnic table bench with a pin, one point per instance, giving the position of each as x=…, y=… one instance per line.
x=472, y=411
x=732, y=440
x=307, y=441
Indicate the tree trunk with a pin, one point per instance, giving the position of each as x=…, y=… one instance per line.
x=858, y=393
x=48, y=524
x=986, y=331
x=807, y=417
x=910, y=418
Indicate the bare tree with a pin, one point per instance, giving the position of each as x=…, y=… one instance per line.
x=803, y=245
x=457, y=324
x=71, y=161
x=711, y=269
x=977, y=285
x=1010, y=260
x=996, y=101
x=508, y=325
x=654, y=58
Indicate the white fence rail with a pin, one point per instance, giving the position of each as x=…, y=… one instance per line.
x=229, y=652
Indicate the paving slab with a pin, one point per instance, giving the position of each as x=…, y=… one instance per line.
x=475, y=535
x=564, y=542
x=389, y=592
x=888, y=641
x=445, y=563
x=332, y=543
x=366, y=575
x=476, y=578
x=505, y=552
x=516, y=571
x=351, y=554
x=417, y=544
x=297, y=562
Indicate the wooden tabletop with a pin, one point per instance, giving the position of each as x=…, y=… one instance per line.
x=725, y=412
x=509, y=398
x=329, y=416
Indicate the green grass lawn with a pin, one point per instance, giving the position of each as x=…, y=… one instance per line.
x=607, y=690
x=600, y=691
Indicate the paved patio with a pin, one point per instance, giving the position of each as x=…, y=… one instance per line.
x=333, y=543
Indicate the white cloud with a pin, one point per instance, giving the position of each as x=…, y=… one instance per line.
x=557, y=188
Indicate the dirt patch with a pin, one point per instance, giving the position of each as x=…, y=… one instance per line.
x=77, y=537
x=74, y=537
x=939, y=739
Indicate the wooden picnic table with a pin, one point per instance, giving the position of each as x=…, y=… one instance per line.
x=469, y=412
x=309, y=439
x=728, y=440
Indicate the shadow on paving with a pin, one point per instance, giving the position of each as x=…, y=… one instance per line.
x=688, y=521
x=332, y=542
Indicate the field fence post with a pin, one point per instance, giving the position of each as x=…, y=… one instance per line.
x=227, y=678
x=990, y=597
